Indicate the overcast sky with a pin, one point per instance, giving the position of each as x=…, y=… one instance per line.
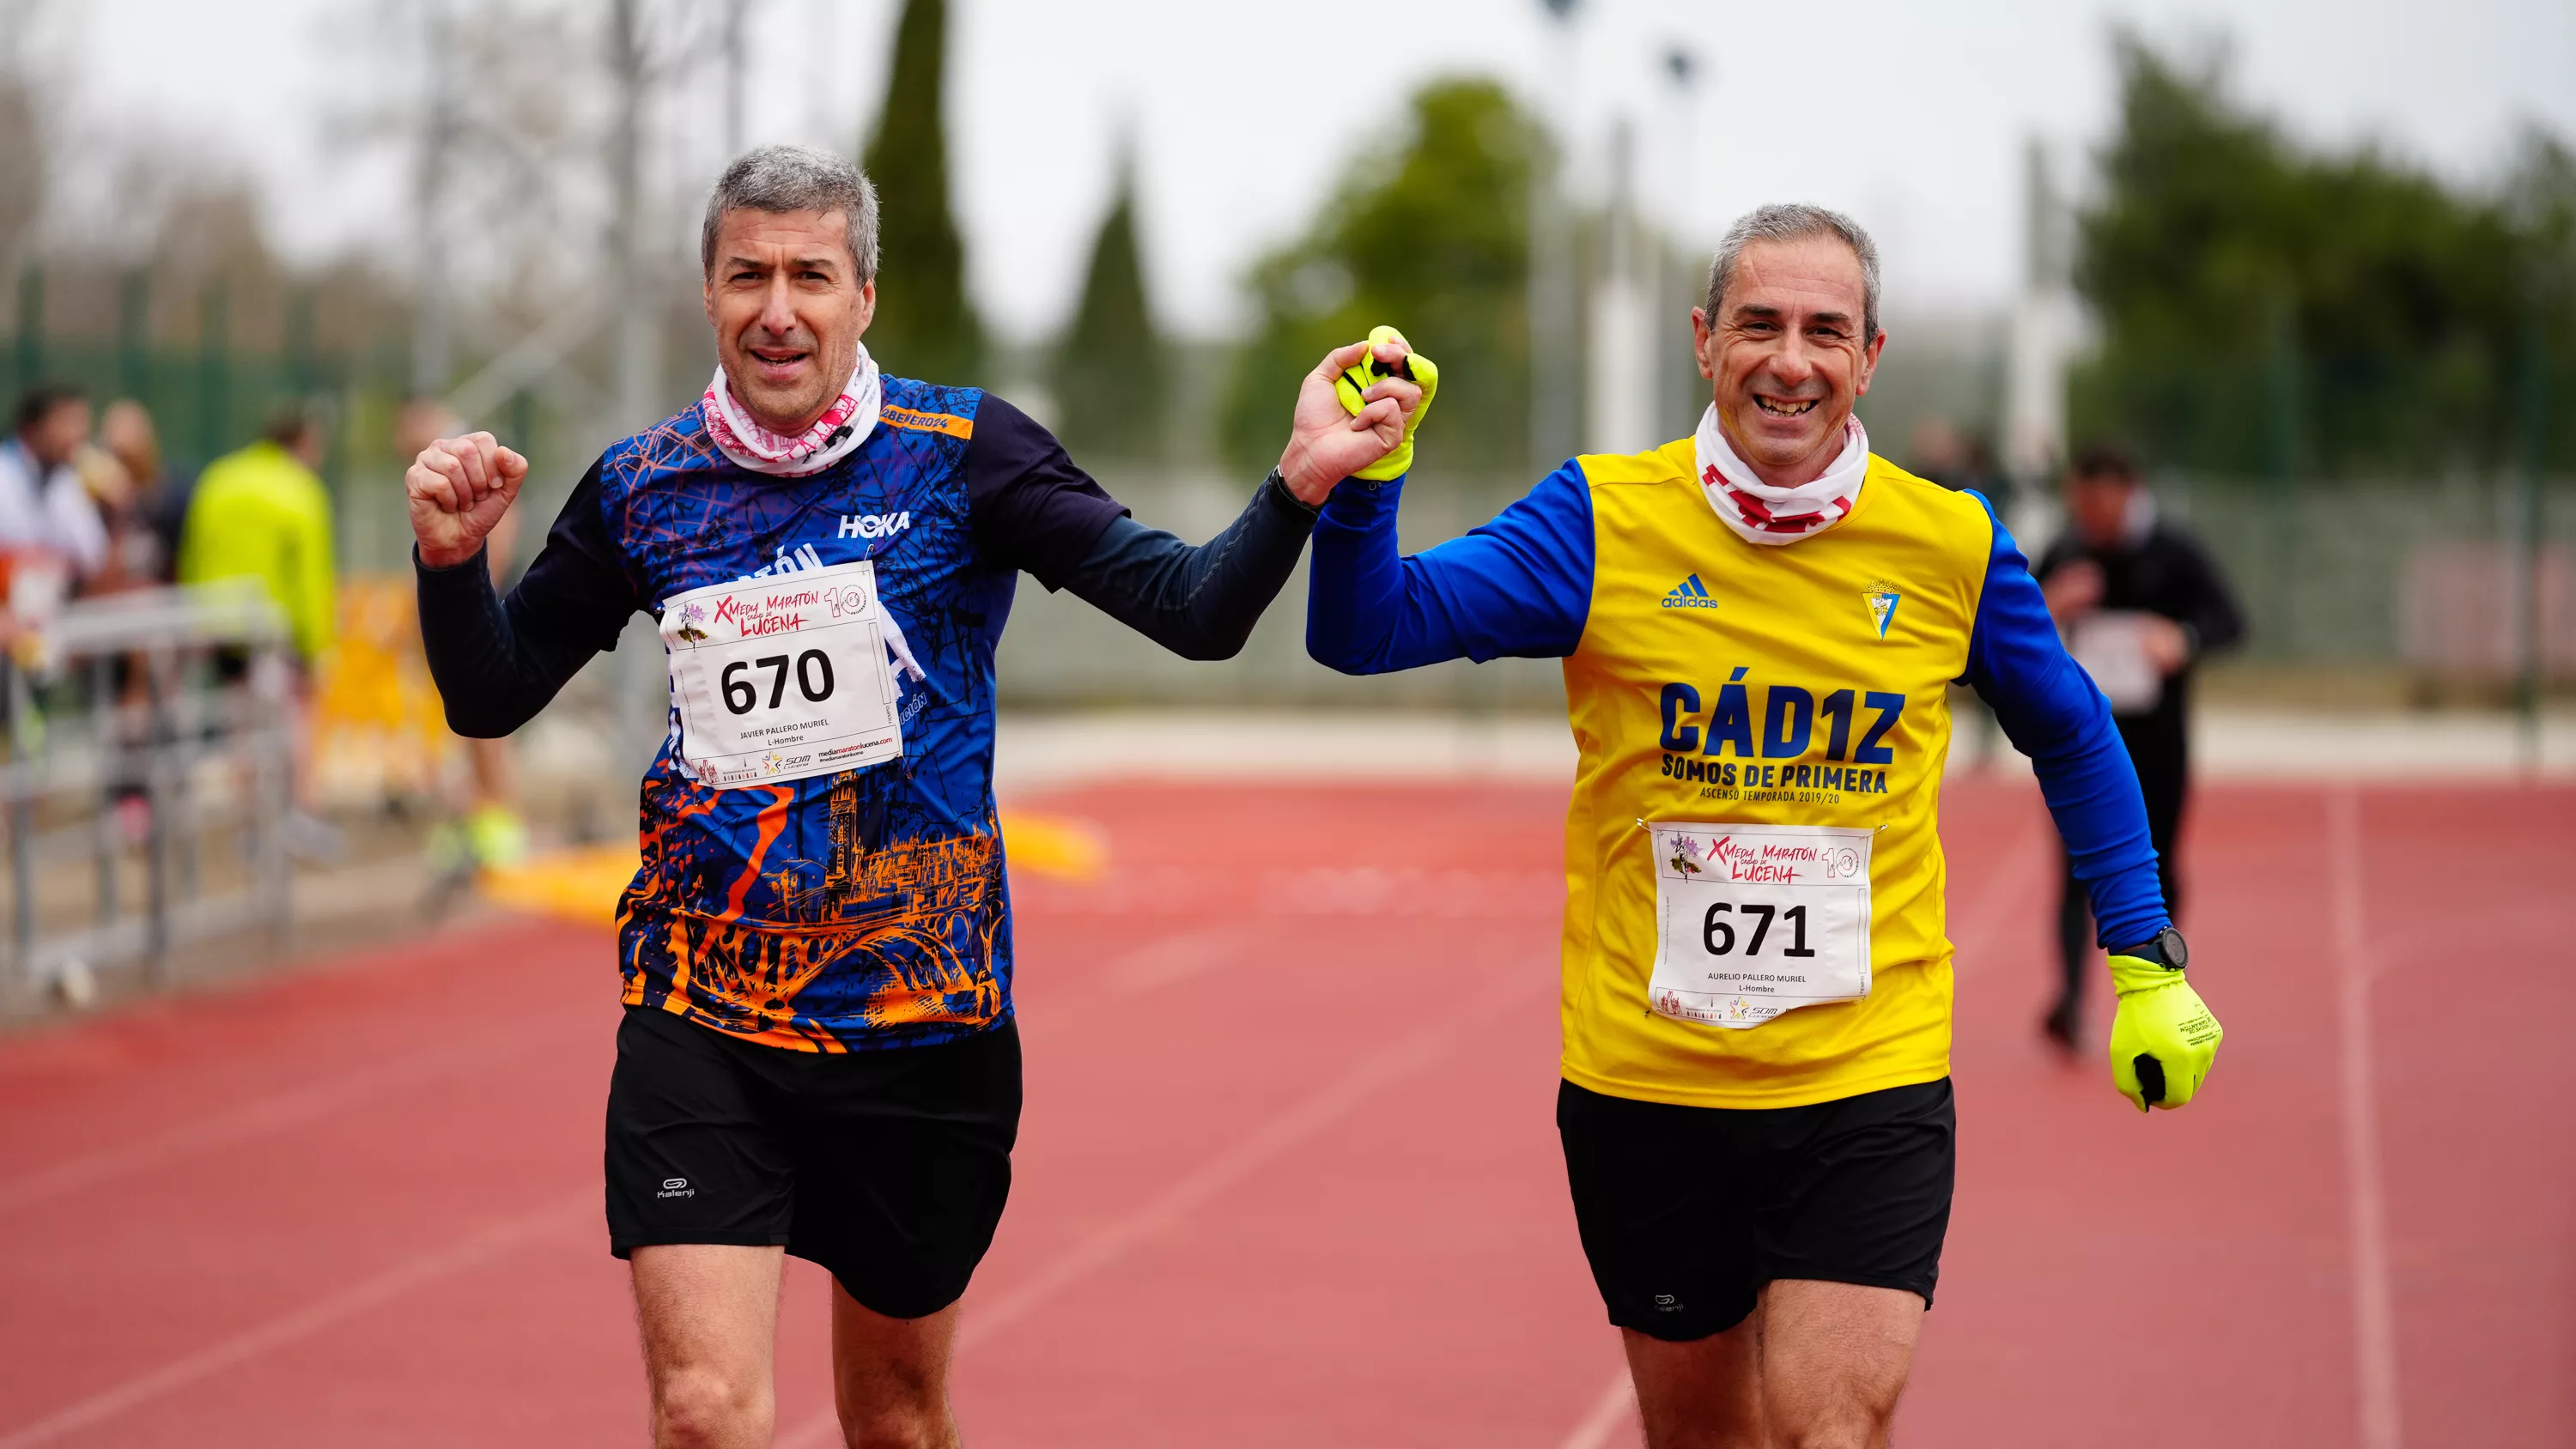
x=1909, y=113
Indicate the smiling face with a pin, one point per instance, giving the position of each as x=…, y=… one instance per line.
x=788, y=309
x=1787, y=355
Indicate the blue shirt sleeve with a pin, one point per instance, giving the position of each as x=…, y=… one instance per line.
x=1520, y=585
x=2051, y=711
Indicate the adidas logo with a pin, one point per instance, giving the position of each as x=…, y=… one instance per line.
x=1690, y=593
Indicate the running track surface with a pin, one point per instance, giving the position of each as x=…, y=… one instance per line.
x=1288, y=1174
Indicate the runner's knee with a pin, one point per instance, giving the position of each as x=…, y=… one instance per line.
x=702, y=1407
x=1848, y=1417
x=905, y=1425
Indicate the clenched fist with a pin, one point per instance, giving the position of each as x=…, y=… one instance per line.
x=458, y=489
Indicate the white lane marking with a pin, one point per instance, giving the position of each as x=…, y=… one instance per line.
x=1616, y=1409
x=273, y=1113
x=357, y=1298
x=2374, y=1311
x=2008, y=886
x=1250, y=1153
x=1175, y=958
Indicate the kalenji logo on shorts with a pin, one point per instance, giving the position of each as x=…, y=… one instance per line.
x=676, y=1187
x=1690, y=593
x=874, y=525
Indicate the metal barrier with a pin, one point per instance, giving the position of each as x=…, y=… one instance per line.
x=141, y=729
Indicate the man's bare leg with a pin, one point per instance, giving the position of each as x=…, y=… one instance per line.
x=1705, y=1394
x=890, y=1376
x=709, y=1314
x=1817, y=1366
x=1834, y=1359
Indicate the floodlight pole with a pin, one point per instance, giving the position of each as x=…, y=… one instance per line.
x=643, y=682
x=638, y=361
x=2034, y=440
x=1553, y=408
x=1677, y=383
x=1622, y=413
x=736, y=16
x=432, y=339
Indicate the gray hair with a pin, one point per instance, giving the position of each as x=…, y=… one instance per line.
x=1792, y=221
x=795, y=178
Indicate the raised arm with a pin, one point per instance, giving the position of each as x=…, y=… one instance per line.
x=1199, y=601
x=497, y=662
x=1520, y=585
x=2051, y=711
x=1035, y=510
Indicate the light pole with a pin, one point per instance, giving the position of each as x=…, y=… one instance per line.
x=432, y=344
x=736, y=17
x=1553, y=424
x=638, y=361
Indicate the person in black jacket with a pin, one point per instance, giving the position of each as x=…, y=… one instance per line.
x=2140, y=601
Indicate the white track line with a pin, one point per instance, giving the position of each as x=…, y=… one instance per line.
x=1616, y=1410
x=271, y=1113
x=2007, y=886
x=2374, y=1312
x=304, y=1322
x=1249, y=1154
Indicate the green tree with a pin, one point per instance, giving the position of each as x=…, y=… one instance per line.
x=924, y=327
x=1429, y=232
x=2267, y=309
x=1109, y=368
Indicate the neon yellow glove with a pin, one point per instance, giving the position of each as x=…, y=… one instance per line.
x=2163, y=1037
x=1365, y=373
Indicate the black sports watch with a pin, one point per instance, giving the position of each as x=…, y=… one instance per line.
x=2165, y=948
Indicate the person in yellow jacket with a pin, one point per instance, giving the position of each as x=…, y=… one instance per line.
x=1759, y=626
x=262, y=513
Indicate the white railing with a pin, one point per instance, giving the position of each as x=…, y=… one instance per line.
x=147, y=739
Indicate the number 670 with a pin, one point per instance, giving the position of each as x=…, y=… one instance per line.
x=813, y=680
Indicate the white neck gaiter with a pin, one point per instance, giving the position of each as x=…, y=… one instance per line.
x=834, y=436
x=1760, y=513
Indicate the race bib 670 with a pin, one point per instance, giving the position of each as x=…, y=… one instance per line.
x=782, y=678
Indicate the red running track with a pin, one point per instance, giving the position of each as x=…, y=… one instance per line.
x=1288, y=1175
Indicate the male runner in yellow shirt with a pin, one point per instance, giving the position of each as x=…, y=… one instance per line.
x=1759, y=626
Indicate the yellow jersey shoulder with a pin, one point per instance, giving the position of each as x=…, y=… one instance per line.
x=1671, y=463
x=1944, y=508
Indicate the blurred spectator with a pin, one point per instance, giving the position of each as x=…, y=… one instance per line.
x=1942, y=454
x=144, y=549
x=44, y=510
x=2140, y=600
x=262, y=513
x=492, y=834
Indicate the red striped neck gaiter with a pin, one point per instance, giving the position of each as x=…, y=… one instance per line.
x=1761, y=513
x=834, y=436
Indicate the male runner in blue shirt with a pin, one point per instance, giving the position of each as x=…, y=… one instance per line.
x=818, y=1053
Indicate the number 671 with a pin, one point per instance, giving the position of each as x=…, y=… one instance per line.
x=1718, y=937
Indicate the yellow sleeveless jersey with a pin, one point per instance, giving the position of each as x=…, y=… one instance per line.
x=1732, y=683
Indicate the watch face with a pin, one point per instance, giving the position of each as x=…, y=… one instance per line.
x=2177, y=955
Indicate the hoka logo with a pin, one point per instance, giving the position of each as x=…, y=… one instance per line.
x=874, y=525
x=1690, y=593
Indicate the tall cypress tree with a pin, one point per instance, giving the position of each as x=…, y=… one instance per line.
x=1109, y=368
x=924, y=325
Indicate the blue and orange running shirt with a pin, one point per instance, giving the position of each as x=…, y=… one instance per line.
x=1713, y=680
x=858, y=910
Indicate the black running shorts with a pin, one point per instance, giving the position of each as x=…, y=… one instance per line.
x=1687, y=1211
x=889, y=1168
